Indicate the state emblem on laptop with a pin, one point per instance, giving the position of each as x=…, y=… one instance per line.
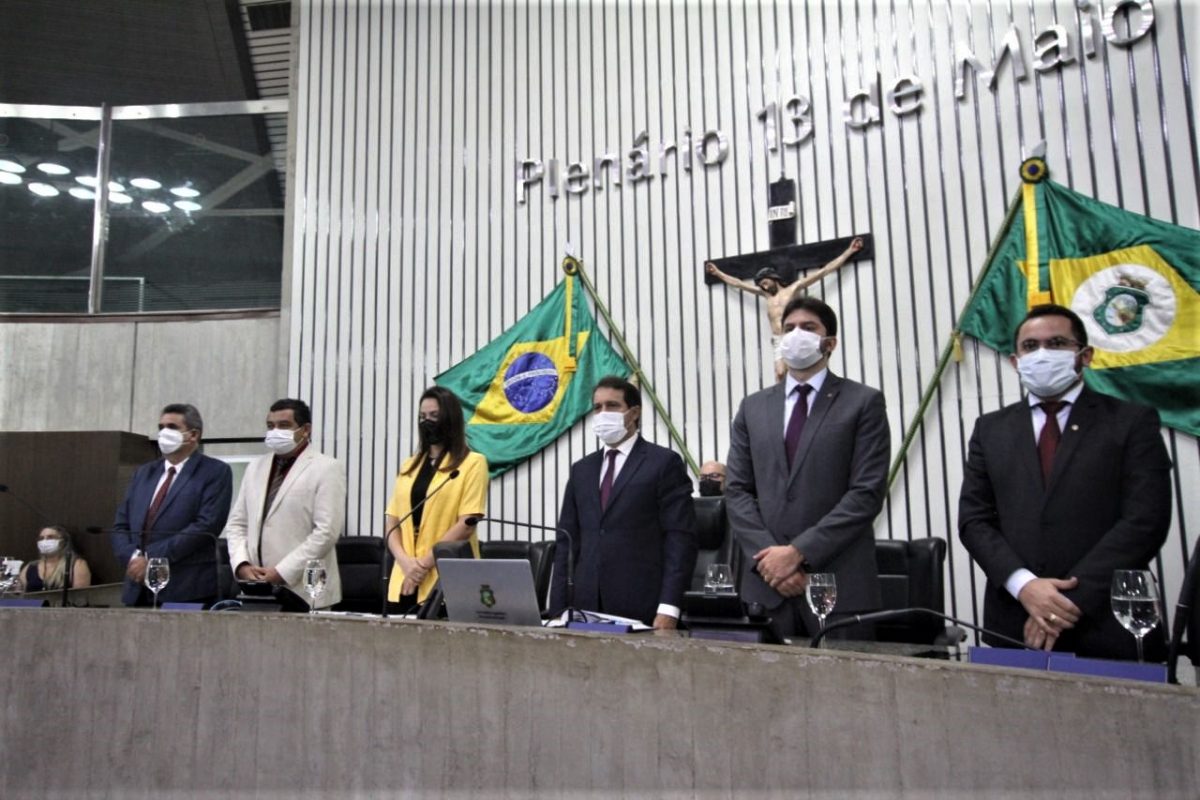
x=487, y=596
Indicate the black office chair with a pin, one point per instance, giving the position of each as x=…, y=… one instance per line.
x=360, y=565
x=540, y=556
x=910, y=576
x=714, y=544
x=1187, y=618
x=226, y=582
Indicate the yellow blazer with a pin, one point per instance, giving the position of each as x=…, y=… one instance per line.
x=467, y=494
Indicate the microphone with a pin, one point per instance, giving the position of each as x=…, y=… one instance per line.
x=895, y=613
x=216, y=539
x=46, y=519
x=387, y=535
x=1183, y=615
x=474, y=520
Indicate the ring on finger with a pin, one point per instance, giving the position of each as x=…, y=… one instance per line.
x=1053, y=618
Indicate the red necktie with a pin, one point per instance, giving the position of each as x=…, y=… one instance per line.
x=796, y=423
x=1048, y=439
x=606, y=484
x=156, y=504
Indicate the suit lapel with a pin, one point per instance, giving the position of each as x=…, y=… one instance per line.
x=181, y=480
x=1019, y=431
x=816, y=417
x=303, y=462
x=775, y=405
x=634, y=460
x=589, y=476
x=1079, y=422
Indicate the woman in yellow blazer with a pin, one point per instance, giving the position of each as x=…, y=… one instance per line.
x=443, y=449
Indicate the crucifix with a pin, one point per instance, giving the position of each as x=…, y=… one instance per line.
x=774, y=274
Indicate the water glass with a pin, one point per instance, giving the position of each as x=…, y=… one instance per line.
x=315, y=578
x=822, y=594
x=1135, y=603
x=718, y=578
x=158, y=574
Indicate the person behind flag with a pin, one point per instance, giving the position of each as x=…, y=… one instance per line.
x=443, y=455
x=1060, y=489
x=628, y=510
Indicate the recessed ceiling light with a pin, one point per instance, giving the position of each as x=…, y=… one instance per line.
x=43, y=189
x=87, y=180
x=146, y=183
x=155, y=207
x=117, y=197
x=184, y=191
x=10, y=166
x=187, y=205
x=9, y=178
x=50, y=168
x=113, y=186
x=81, y=193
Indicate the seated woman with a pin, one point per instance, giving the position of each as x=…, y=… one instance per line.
x=426, y=476
x=50, y=569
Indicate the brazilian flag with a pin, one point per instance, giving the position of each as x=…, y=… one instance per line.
x=1133, y=280
x=530, y=384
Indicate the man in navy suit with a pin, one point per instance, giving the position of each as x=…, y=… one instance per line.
x=1060, y=489
x=628, y=509
x=169, y=506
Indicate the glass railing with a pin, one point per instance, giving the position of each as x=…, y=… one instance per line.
x=141, y=208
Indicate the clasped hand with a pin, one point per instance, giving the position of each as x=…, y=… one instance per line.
x=780, y=567
x=1050, y=611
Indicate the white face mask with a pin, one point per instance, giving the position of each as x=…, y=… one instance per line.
x=609, y=426
x=281, y=441
x=800, y=349
x=49, y=547
x=169, y=440
x=1048, y=373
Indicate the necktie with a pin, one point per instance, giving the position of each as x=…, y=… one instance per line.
x=796, y=422
x=606, y=484
x=1047, y=443
x=156, y=504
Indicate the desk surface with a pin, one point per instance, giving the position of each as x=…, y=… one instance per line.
x=242, y=704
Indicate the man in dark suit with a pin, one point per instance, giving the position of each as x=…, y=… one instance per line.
x=805, y=477
x=1060, y=489
x=628, y=509
x=171, y=502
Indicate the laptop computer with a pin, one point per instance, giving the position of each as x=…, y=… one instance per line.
x=495, y=591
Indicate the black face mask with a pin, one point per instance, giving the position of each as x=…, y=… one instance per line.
x=710, y=487
x=433, y=431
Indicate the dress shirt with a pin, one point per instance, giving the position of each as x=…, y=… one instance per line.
x=790, y=396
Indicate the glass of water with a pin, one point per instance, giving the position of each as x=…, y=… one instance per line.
x=1135, y=602
x=315, y=578
x=822, y=594
x=158, y=574
x=718, y=578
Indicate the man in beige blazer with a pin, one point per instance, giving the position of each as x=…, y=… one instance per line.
x=291, y=508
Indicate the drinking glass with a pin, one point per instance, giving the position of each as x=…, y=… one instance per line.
x=1135, y=602
x=158, y=574
x=718, y=578
x=822, y=594
x=315, y=578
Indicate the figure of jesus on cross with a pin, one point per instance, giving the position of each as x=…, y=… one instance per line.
x=769, y=284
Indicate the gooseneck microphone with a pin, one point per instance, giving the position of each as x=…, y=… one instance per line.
x=387, y=535
x=896, y=613
x=216, y=540
x=473, y=521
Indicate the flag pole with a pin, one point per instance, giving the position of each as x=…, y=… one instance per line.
x=953, y=348
x=573, y=266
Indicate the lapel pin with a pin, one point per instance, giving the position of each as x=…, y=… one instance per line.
x=1074, y=427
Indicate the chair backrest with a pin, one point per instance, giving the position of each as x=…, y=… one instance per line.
x=540, y=556
x=226, y=582
x=360, y=565
x=910, y=576
x=714, y=545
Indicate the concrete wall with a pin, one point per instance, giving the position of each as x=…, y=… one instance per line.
x=128, y=704
x=99, y=374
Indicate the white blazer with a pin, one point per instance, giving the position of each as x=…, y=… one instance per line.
x=304, y=521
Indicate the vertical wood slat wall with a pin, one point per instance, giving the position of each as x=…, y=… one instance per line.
x=410, y=250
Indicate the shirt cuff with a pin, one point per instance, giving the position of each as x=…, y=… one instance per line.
x=668, y=610
x=1016, y=582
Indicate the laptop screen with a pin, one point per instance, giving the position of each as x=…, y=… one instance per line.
x=494, y=591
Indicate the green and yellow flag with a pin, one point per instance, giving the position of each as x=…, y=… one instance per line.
x=527, y=386
x=1133, y=280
